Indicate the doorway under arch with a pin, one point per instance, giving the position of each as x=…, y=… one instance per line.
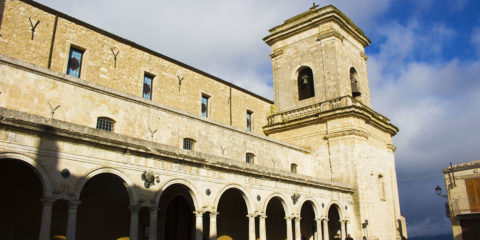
x=334, y=226
x=20, y=204
x=308, y=225
x=276, y=226
x=232, y=220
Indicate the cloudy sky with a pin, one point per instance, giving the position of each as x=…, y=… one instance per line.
x=424, y=68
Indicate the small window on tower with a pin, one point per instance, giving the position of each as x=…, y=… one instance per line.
x=204, y=107
x=293, y=168
x=381, y=187
x=249, y=120
x=147, y=86
x=354, y=82
x=74, y=62
x=105, y=123
x=305, y=83
x=249, y=158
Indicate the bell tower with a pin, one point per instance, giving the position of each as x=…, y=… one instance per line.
x=322, y=104
x=318, y=56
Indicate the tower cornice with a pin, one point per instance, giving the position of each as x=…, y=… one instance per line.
x=313, y=18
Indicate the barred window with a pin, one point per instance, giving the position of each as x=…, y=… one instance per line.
x=188, y=143
x=105, y=124
x=74, y=62
x=293, y=168
x=249, y=157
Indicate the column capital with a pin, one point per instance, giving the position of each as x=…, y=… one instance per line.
x=262, y=216
x=135, y=208
x=213, y=214
x=48, y=201
x=298, y=218
x=73, y=204
x=251, y=215
x=198, y=213
x=288, y=218
x=154, y=208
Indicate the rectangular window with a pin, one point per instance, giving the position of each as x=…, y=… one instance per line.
x=104, y=123
x=249, y=120
x=249, y=158
x=74, y=62
x=205, y=105
x=188, y=143
x=147, y=86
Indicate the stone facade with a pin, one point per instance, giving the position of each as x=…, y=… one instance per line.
x=321, y=166
x=463, y=192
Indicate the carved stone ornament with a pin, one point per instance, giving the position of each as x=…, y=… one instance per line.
x=149, y=179
x=295, y=197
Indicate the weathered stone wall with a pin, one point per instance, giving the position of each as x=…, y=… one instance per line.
x=133, y=61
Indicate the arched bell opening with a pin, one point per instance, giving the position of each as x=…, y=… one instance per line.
x=275, y=223
x=354, y=83
x=20, y=204
x=305, y=83
x=104, y=210
x=334, y=225
x=176, y=219
x=308, y=224
x=232, y=220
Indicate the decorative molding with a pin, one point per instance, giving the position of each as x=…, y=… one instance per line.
x=391, y=147
x=364, y=56
x=330, y=33
x=276, y=54
x=349, y=132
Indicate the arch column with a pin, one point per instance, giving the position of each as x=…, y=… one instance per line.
x=152, y=231
x=342, y=228
x=72, y=219
x=198, y=225
x=289, y=228
x=251, y=227
x=46, y=222
x=298, y=232
x=213, y=225
x=263, y=229
x=318, y=234
x=134, y=222
x=325, y=228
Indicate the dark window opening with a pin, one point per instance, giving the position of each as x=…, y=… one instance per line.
x=147, y=86
x=249, y=157
x=104, y=123
x=74, y=62
x=188, y=143
x=354, y=81
x=305, y=84
x=293, y=168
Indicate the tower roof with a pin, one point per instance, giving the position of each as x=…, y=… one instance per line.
x=312, y=18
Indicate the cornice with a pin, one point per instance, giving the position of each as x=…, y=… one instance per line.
x=33, y=124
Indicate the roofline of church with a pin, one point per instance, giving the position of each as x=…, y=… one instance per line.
x=462, y=166
x=311, y=18
x=140, y=47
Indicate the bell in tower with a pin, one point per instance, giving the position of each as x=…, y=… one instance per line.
x=353, y=79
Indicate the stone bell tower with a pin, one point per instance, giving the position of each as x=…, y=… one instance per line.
x=322, y=103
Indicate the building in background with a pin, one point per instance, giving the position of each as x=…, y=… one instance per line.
x=463, y=192
x=101, y=138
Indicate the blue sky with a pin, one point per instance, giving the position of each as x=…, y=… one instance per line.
x=424, y=68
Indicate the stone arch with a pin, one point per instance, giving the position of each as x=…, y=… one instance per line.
x=314, y=205
x=37, y=168
x=133, y=196
x=194, y=193
x=286, y=206
x=243, y=191
x=337, y=205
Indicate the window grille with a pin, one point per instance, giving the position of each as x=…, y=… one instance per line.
x=74, y=65
x=104, y=123
x=188, y=143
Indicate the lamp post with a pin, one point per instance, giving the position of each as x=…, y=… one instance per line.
x=438, y=191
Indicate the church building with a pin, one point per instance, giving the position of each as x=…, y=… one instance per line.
x=102, y=138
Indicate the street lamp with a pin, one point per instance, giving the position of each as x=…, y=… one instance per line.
x=438, y=191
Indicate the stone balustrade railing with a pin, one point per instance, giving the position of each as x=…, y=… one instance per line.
x=317, y=108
